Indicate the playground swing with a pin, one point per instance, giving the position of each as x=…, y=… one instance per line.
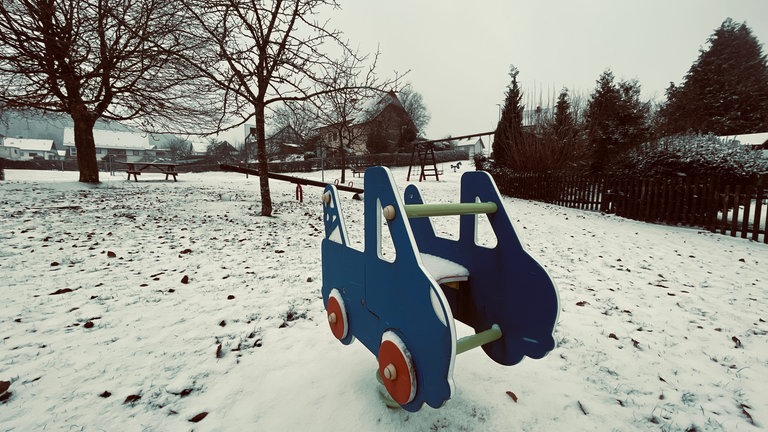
x=403, y=310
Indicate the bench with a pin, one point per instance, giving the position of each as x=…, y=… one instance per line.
x=358, y=171
x=136, y=168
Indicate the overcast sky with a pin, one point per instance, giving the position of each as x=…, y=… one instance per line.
x=459, y=52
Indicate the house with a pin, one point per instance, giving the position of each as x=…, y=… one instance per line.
x=198, y=146
x=131, y=146
x=8, y=152
x=380, y=125
x=223, y=151
x=28, y=148
x=285, y=142
x=472, y=146
x=757, y=141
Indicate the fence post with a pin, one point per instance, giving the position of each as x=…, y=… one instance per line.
x=713, y=195
x=758, y=211
x=604, y=196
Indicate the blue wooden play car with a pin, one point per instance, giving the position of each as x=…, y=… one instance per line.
x=403, y=310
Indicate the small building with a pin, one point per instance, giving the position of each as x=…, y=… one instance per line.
x=756, y=141
x=472, y=146
x=131, y=146
x=223, y=151
x=8, y=152
x=29, y=148
x=284, y=142
x=198, y=146
x=380, y=119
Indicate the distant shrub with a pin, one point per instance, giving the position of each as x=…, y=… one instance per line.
x=481, y=162
x=693, y=155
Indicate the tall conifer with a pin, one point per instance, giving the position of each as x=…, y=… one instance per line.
x=725, y=92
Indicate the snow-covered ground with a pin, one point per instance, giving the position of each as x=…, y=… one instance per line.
x=140, y=306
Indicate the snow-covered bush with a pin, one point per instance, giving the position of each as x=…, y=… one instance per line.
x=693, y=155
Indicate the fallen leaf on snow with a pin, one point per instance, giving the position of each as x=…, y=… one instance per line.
x=131, y=399
x=198, y=417
x=61, y=291
x=737, y=342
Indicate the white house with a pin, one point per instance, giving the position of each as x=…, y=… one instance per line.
x=8, y=152
x=757, y=141
x=473, y=146
x=198, y=145
x=28, y=148
x=133, y=146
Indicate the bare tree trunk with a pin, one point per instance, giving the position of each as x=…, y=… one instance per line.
x=86, y=147
x=261, y=142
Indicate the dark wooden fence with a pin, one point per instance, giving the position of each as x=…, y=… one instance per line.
x=734, y=209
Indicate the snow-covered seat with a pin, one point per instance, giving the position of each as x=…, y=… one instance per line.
x=445, y=272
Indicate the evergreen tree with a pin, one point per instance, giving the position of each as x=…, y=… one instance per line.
x=564, y=125
x=725, y=92
x=616, y=119
x=509, y=131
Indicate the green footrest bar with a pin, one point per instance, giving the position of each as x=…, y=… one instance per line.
x=469, y=342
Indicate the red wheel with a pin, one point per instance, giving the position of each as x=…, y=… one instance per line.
x=337, y=315
x=396, y=368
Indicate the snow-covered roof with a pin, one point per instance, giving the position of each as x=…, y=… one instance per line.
x=30, y=144
x=112, y=139
x=465, y=142
x=199, y=144
x=748, y=139
x=373, y=106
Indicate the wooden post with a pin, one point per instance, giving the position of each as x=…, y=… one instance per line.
x=735, y=214
x=747, y=206
x=724, y=209
x=758, y=210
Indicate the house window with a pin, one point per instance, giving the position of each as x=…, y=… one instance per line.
x=137, y=152
x=73, y=151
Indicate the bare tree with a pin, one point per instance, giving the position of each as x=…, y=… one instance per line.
x=340, y=111
x=299, y=115
x=91, y=59
x=413, y=103
x=266, y=52
x=179, y=148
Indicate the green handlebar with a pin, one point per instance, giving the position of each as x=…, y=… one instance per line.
x=426, y=210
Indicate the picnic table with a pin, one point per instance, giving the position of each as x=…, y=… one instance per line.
x=136, y=168
x=358, y=171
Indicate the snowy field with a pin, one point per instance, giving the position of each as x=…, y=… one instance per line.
x=162, y=306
